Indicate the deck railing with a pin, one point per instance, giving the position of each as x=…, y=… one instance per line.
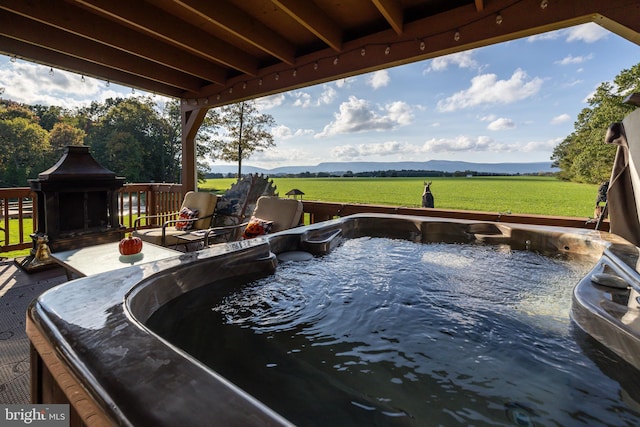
x=18, y=212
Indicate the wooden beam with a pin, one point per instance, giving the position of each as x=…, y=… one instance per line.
x=313, y=19
x=59, y=60
x=479, y=5
x=71, y=45
x=392, y=12
x=153, y=21
x=56, y=13
x=191, y=120
x=243, y=26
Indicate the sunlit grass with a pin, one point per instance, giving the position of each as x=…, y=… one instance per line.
x=537, y=195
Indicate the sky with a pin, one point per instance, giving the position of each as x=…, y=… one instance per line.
x=510, y=102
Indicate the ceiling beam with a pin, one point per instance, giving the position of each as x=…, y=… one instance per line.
x=392, y=12
x=311, y=17
x=479, y=5
x=153, y=21
x=243, y=26
x=32, y=53
x=56, y=13
x=60, y=41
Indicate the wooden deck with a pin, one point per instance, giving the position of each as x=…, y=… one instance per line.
x=17, y=290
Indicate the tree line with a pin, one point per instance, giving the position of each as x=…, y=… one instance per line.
x=134, y=137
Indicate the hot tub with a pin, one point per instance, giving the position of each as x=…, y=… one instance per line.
x=97, y=340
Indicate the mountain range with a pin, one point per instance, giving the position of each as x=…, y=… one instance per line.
x=340, y=168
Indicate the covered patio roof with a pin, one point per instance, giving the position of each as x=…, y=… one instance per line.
x=212, y=53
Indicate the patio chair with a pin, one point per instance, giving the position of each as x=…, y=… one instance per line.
x=271, y=214
x=193, y=219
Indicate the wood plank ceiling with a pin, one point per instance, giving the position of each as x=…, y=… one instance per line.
x=211, y=53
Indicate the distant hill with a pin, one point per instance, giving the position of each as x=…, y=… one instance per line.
x=339, y=168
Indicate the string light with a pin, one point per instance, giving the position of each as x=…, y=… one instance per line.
x=108, y=83
x=13, y=58
x=422, y=45
x=544, y=4
x=51, y=71
x=82, y=79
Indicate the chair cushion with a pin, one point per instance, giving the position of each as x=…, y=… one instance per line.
x=256, y=227
x=186, y=213
x=154, y=235
x=285, y=213
x=203, y=202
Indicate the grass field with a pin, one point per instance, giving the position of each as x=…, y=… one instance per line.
x=540, y=195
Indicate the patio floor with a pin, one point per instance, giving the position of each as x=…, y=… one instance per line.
x=17, y=290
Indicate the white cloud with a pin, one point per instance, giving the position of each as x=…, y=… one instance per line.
x=278, y=156
x=465, y=143
x=305, y=99
x=388, y=148
x=32, y=84
x=459, y=143
x=327, y=96
x=547, y=145
x=487, y=89
x=562, y=118
x=588, y=33
x=460, y=59
x=379, y=79
x=302, y=99
x=268, y=102
x=570, y=59
x=501, y=124
x=358, y=115
x=552, y=35
x=283, y=132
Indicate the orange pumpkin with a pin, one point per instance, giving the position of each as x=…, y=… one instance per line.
x=130, y=245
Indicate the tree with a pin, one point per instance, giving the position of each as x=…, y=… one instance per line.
x=129, y=138
x=63, y=134
x=23, y=144
x=242, y=131
x=583, y=156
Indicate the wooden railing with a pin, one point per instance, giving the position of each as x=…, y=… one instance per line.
x=18, y=214
x=19, y=210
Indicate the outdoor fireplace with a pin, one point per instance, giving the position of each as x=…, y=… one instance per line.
x=77, y=203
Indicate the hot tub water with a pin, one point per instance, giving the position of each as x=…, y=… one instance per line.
x=390, y=332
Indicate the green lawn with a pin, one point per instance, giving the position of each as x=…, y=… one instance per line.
x=519, y=194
